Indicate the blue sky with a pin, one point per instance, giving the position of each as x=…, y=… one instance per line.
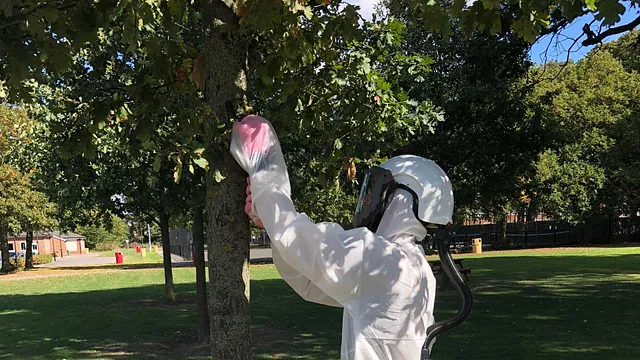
x=557, y=46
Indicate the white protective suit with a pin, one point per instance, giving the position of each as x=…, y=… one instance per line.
x=382, y=280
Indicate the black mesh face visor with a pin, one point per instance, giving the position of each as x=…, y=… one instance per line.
x=377, y=186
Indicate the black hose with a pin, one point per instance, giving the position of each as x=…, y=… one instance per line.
x=453, y=273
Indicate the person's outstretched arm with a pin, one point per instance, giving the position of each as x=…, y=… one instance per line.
x=324, y=253
x=301, y=284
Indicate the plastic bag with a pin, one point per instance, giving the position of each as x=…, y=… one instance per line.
x=255, y=146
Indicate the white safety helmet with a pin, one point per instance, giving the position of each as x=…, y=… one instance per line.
x=428, y=183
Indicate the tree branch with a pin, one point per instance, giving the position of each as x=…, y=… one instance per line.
x=16, y=19
x=611, y=31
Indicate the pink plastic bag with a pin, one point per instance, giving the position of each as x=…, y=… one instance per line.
x=255, y=146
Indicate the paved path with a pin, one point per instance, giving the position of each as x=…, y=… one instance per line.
x=259, y=253
x=79, y=260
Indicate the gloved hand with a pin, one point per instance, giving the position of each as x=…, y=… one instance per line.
x=255, y=146
x=251, y=140
x=248, y=206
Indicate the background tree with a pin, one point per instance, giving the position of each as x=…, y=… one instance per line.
x=488, y=140
x=105, y=236
x=584, y=111
x=20, y=204
x=22, y=207
x=626, y=49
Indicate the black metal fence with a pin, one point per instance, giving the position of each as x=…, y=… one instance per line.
x=181, y=243
x=551, y=233
x=261, y=240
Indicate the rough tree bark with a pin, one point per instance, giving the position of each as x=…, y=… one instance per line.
x=502, y=235
x=4, y=247
x=228, y=227
x=201, y=279
x=28, y=259
x=166, y=258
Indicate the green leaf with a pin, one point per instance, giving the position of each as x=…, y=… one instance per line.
x=201, y=162
x=307, y=12
x=609, y=11
x=177, y=173
x=192, y=170
x=491, y=4
x=591, y=4
x=149, y=144
x=157, y=162
x=457, y=7
x=217, y=176
x=496, y=27
x=337, y=144
x=299, y=106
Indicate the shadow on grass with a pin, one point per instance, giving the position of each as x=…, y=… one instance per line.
x=107, y=324
x=556, y=307
x=547, y=307
x=135, y=323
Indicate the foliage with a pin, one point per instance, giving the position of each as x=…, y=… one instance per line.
x=626, y=49
x=15, y=127
x=99, y=236
x=588, y=113
x=571, y=176
x=42, y=259
x=16, y=145
x=347, y=89
x=18, y=201
x=530, y=18
x=486, y=142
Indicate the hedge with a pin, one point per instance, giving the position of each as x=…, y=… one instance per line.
x=42, y=259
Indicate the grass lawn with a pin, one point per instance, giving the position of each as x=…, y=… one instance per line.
x=131, y=257
x=575, y=304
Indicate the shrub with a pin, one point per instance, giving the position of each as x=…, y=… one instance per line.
x=17, y=264
x=42, y=259
x=109, y=245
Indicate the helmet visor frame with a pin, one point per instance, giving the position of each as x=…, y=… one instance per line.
x=377, y=187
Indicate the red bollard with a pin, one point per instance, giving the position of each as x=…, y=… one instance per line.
x=138, y=249
x=119, y=258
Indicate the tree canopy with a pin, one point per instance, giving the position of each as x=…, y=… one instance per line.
x=589, y=114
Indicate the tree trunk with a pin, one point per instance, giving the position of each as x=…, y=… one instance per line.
x=228, y=231
x=28, y=259
x=166, y=257
x=502, y=232
x=4, y=247
x=201, y=279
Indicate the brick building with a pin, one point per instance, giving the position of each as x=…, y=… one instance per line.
x=48, y=242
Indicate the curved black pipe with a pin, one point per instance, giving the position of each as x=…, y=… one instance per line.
x=453, y=273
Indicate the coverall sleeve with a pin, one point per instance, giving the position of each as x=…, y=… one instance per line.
x=300, y=284
x=325, y=254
